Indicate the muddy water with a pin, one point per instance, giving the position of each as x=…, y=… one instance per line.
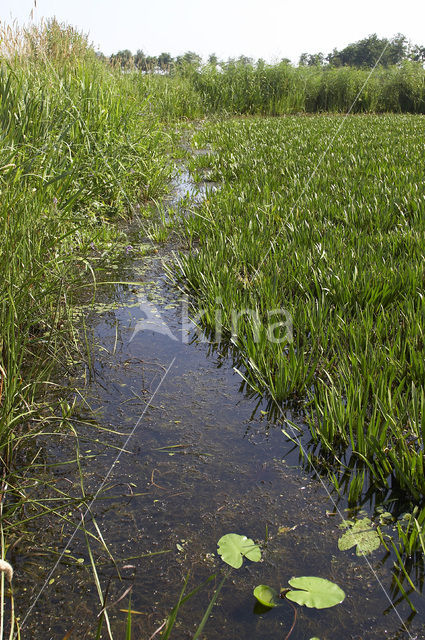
x=203, y=460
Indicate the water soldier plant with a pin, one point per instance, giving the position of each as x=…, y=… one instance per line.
x=334, y=239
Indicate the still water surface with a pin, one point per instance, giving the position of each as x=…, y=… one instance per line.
x=204, y=460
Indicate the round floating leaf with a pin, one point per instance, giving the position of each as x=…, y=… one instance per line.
x=317, y=592
x=360, y=535
x=232, y=548
x=266, y=595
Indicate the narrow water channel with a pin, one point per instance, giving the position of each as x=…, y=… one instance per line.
x=204, y=460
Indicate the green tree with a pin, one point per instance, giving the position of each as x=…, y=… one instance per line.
x=213, y=60
x=165, y=61
x=245, y=61
x=189, y=59
x=310, y=59
x=140, y=60
x=122, y=58
x=366, y=52
x=417, y=53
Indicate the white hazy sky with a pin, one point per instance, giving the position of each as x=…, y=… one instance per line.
x=269, y=29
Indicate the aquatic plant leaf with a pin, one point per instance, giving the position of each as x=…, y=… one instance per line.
x=266, y=595
x=386, y=517
x=233, y=548
x=360, y=535
x=316, y=593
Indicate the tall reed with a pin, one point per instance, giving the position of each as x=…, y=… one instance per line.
x=278, y=89
x=78, y=148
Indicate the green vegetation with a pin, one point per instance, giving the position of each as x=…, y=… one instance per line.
x=368, y=52
x=317, y=216
x=75, y=153
x=336, y=240
x=360, y=534
x=233, y=548
x=310, y=591
x=338, y=82
x=242, y=88
x=314, y=592
x=281, y=89
x=267, y=596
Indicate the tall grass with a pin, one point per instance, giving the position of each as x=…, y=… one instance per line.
x=277, y=89
x=78, y=149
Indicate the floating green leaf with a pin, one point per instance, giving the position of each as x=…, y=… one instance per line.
x=266, y=595
x=233, y=547
x=316, y=592
x=360, y=535
x=386, y=517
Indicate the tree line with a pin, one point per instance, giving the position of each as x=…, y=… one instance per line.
x=365, y=53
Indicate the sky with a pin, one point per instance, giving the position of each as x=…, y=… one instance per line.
x=269, y=29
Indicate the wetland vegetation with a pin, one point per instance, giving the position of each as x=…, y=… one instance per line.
x=336, y=239
x=317, y=213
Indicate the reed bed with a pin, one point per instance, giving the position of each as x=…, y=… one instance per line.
x=337, y=240
x=278, y=89
x=78, y=150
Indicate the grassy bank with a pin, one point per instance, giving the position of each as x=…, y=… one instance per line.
x=79, y=148
x=341, y=249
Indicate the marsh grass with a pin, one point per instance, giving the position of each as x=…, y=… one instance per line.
x=82, y=143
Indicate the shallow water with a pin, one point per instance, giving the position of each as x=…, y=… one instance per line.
x=204, y=459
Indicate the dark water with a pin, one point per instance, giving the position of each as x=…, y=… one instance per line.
x=204, y=460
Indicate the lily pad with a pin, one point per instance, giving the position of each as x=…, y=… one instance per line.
x=360, y=535
x=233, y=548
x=316, y=593
x=266, y=595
